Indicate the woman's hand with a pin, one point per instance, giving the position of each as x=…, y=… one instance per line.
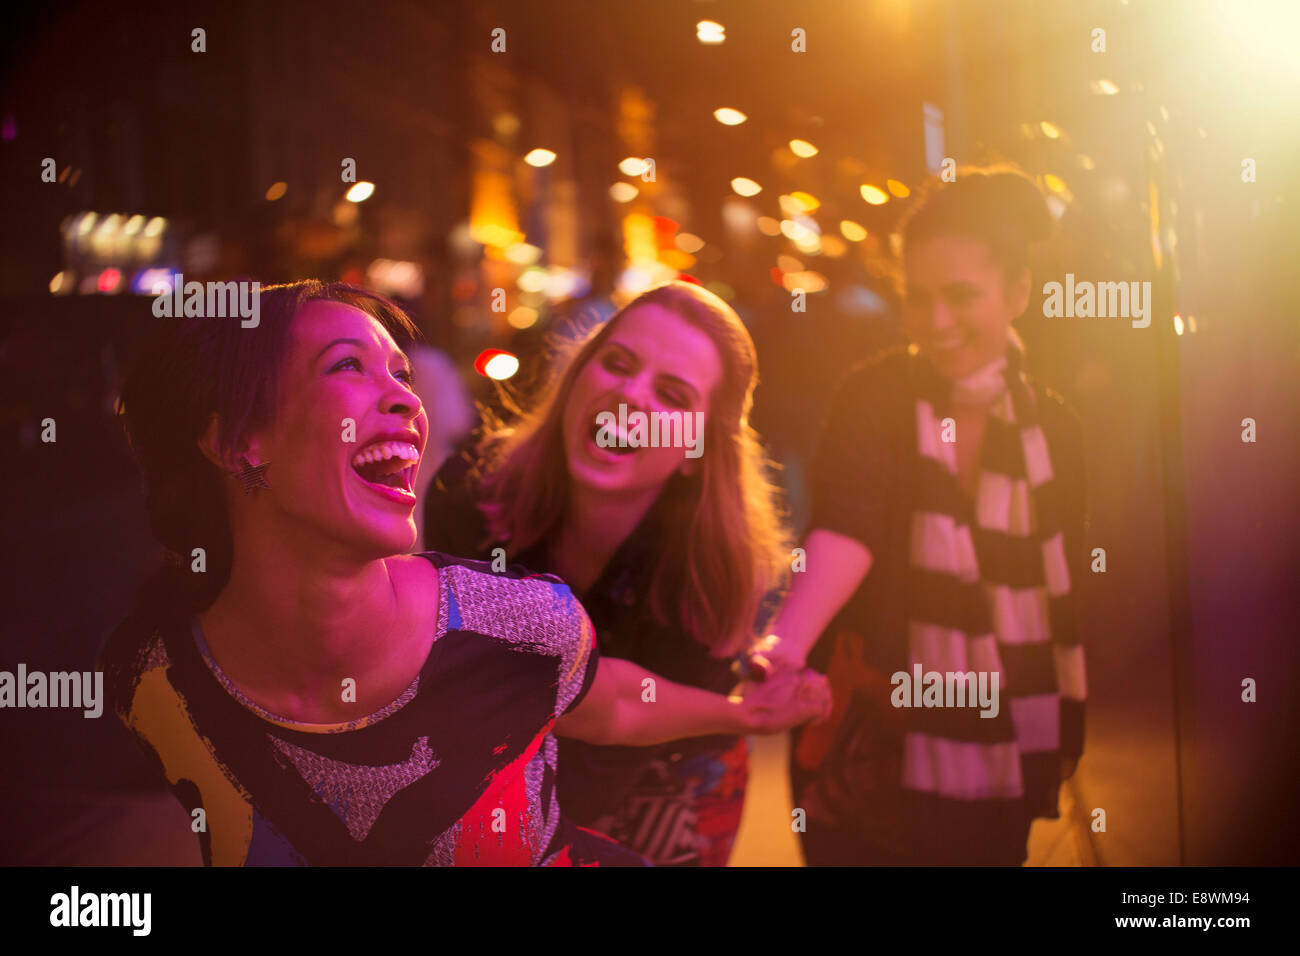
x=786, y=699
x=772, y=656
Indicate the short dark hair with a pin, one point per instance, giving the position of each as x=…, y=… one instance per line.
x=193, y=368
x=997, y=205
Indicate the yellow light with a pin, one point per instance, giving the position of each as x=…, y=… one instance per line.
x=522, y=253
x=133, y=225
x=679, y=261
x=1055, y=183
x=155, y=226
x=802, y=148
x=874, y=195
x=522, y=318
x=1085, y=162
x=276, y=191
x=807, y=281
x=360, y=192
x=807, y=201
x=729, y=117
x=745, y=187
x=1104, y=87
x=632, y=166
x=622, y=192
x=689, y=242
x=1050, y=130
x=539, y=157
x=494, y=235
x=1178, y=325
x=852, y=231
x=898, y=189
x=769, y=226
x=533, y=280
x=710, y=31
x=501, y=367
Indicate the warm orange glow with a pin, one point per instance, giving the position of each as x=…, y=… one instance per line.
x=852, y=231
x=710, y=32
x=897, y=188
x=689, y=242
x=276, y=191
x=360, y=192
x=728, y=116
x=874, y=194
x=539, y=157
x=523, y=317
x=802, y=148
x=807, y=201
x=622, y=192
x=745, y=187
x=632, y=166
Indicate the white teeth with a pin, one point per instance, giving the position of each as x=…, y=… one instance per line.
x=388, y=449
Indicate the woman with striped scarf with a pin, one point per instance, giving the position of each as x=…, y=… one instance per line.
x=946, y=537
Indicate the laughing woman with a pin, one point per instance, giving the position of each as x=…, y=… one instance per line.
x=948, y=526
x=670, y=548
x=321, y=695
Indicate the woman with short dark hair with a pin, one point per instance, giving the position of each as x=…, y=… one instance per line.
x=321, y=695
x=947, y=536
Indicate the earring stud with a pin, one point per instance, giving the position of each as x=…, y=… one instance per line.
x=252, y=477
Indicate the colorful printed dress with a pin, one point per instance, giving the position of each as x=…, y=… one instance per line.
x=677, y=804
x=459, y=770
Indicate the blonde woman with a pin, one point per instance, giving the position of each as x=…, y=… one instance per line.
x=671, y=548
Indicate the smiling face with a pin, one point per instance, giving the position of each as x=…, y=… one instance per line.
x=341, y=363
x=652, y=361
x=959, y=304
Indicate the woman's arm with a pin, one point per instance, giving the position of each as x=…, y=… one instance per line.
x=836, y=565
x=627, y=705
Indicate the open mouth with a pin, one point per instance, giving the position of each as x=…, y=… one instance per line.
x=620, y=450
x=389, y=466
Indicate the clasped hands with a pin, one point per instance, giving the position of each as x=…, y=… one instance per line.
x=779, y=690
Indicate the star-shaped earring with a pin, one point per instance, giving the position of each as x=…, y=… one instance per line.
x=251, y=477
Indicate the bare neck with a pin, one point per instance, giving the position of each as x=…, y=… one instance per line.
x=298, y=612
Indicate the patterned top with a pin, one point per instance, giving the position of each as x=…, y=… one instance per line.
x=459, y=770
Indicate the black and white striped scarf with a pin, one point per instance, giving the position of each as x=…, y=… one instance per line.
x=989, y=590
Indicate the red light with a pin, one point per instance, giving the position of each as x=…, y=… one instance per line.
x=109, y=280
x=686, y=277
x=487, y=355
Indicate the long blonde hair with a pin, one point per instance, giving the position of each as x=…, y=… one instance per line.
x=726, y=540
